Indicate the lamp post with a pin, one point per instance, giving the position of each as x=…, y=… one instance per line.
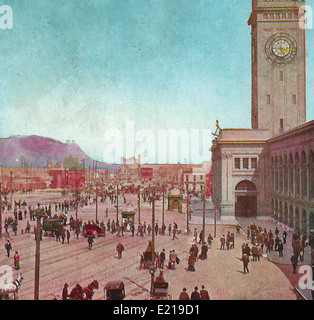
x=139, y=204
x=96, y=203
x=152, y=198
x=187, y=209
x=204, y=211
x=39, y=213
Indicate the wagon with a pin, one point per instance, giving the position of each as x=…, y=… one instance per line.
x=92, y=229
x=51, y=225
x=114, y=290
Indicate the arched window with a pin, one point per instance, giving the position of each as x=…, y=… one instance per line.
x=304, y=175
x=297, y=175
x=291, y=189
x=285, y=173
x=311, y=175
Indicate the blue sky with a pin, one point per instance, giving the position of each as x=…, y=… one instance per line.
x=74, y=69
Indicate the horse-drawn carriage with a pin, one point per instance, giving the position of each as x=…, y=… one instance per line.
x=114, y=290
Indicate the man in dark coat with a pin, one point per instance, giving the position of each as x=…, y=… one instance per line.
x=294, y=262
x=204, y=294
x=120, y=249
x=65, y=293
x=195, y=294
x=245, y=260
x=8, y=247
x=184, y=295
x=162, y=258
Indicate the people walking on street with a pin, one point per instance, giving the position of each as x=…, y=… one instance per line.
x=16, y=259
x=162, y=258
x=222, y=242
x=120, y=249
x=245, y=260
x=90, y=240
x=294, y=262
x=8, y=247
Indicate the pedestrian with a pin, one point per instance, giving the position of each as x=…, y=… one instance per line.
x=16, y=259
x=90, y=240
x=8, y=247
x=294, y=262
x=120, y=249
x=195, y=235
x=204, y=250
x=65, y=292
x=280, y=249
x=174, y=231
x=245, y=260
x=209, y=240
x=204, y=295
x=222, y=242
x=284, y=236
x=184, y=295
x=68, y=236
x=162, y=258
x=195, y=295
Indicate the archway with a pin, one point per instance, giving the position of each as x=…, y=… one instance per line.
x=245, y=199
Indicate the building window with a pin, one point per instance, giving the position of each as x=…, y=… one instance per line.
x=237, y=163
x=245, y=163
x=281, y=75
x=281, y=125
x=253, y=163
x=294, y=99
x=265, y=16
x=268, y=99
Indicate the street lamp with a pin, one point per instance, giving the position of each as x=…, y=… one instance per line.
x=152, y=198
x=139, y=204
x=39, y=213
x=204, y=211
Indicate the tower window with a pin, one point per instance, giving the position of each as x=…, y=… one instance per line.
x=268, y=99
x=294, y=99
x=237, y=164
x=265, y=16
x=281, y=75
x=281, y=125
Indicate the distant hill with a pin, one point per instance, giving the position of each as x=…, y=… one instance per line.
x=38, y=150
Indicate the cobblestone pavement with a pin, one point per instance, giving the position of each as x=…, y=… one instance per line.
x=222, y=272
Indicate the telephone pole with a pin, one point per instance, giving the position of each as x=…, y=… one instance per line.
x=39, y=213
x=0, y=211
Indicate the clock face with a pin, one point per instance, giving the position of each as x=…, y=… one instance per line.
x=281, y=48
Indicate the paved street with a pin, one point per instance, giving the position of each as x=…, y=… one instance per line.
x=222, y=273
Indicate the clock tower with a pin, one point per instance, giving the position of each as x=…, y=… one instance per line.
x=278, y=65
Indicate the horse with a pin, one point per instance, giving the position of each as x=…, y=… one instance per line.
x=89, y=290
x=12, y=287
x=76, y=293
x=79, y=293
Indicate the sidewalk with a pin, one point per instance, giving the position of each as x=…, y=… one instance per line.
x=284, y=262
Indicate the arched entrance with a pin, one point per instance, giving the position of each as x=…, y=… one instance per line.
x=311, y=221
x=245, y=199
x=175, y=205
